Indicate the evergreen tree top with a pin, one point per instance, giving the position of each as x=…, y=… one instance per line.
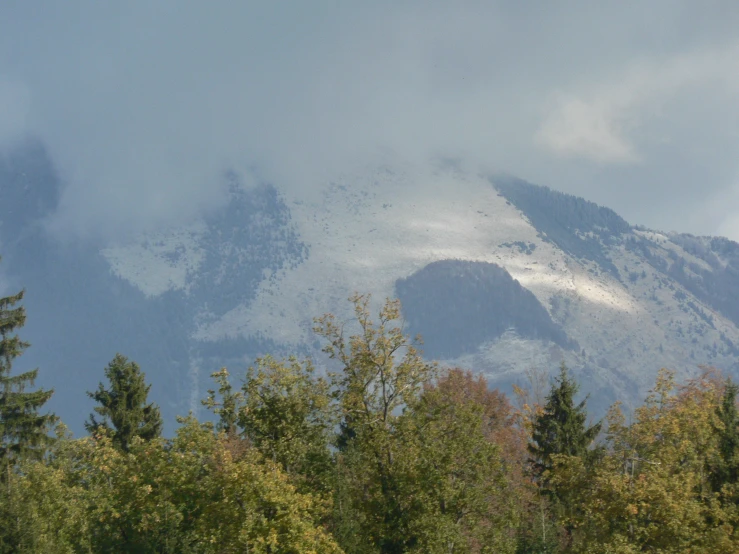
x=23, y=431
x=561, y=428
x=123, y=405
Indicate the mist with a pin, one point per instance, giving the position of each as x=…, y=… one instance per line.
x=142, y=106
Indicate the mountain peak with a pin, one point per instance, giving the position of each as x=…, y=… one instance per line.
x=499, y=275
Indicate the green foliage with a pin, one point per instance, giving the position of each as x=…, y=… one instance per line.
x=650, y=491
x=380, y=373
x=726, y=468
x=45, y=508
x=288, y=417
x=386, y=455
x=123, y=408
x=228, y=407
x=416, y=471
x=381, y=370
x=23, y=431
x=459, y=494
x=285, y=411
x=561, y=429
x=195, y=493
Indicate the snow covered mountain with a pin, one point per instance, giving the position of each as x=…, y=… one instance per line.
x=498, y=275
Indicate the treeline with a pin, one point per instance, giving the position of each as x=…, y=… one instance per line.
x=389, y=454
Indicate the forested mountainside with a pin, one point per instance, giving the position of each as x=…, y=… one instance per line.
x=457, y=306
x=497, y=275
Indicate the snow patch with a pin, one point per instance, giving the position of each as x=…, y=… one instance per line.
x=160, y=261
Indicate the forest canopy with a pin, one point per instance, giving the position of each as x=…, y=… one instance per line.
x=384, y=453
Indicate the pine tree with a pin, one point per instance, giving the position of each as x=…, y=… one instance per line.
x=124, y=405
x=23, y=431
x=561, y=428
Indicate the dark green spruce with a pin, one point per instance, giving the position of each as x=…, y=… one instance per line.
x=24, y=433
x=123, y=406
x=562, y=427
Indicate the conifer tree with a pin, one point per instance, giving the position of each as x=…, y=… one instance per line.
x=23, y=431
x=561, y=428
x=124, y=405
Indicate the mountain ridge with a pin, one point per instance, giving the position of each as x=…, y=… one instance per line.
x=540, y=277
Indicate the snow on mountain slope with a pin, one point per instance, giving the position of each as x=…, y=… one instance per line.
x=368, y=231
x=500, y=276
x=161, y=261
x=607, y=285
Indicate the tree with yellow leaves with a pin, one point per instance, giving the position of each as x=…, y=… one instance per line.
x=191, y=494
x=651, y=490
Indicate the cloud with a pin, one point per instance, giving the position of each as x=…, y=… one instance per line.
x=14, y=106
x=143, y=105
x=605, y=124
x=586, y=130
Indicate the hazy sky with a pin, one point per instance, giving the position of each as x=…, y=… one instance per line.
x=633, y=104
